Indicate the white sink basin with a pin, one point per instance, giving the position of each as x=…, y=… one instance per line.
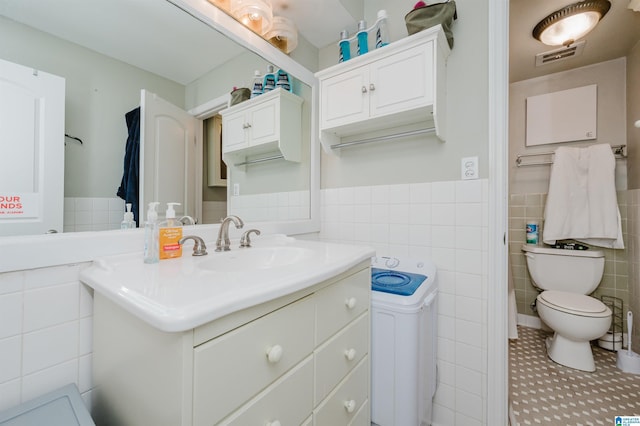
x=180, y=294
x=257, y=258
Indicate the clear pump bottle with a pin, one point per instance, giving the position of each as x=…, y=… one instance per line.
x=151, y=250
x=128, y=222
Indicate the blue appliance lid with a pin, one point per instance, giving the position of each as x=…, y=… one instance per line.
x=395, y=282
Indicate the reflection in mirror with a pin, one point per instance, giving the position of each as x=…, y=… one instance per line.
x=106, y=57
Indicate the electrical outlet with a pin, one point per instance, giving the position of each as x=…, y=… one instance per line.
x=236, y=189
x=469, y=168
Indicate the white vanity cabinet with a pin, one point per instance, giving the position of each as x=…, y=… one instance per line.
x=300, y=359
x=269, y=123
x=400, y=84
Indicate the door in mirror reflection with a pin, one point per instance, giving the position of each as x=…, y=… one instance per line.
x=32, y=145
x=170, y=140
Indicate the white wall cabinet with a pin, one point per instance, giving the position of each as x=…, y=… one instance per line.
x=268, y=124
x=403, y=83
x=301, y=359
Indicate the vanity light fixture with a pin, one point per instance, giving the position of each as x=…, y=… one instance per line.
x=283, y=34
x=225, y=5
x=254, y=14
x=566, y=25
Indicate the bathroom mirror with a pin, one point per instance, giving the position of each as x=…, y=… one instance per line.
x=186, y=52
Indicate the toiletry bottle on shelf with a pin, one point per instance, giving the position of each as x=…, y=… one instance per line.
x=283, y=80
x=269, y=81
x=127, y=221
x=151, y=234
x=256, y=84
x=344, y=46
x=169, y=234
x=363, y=38
x=382, y=29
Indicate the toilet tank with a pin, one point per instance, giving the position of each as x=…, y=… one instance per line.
x=574, y=271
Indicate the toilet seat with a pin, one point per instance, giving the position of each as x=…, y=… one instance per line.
x=575, y=304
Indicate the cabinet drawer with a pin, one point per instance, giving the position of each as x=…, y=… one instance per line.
x=363, y=416
x=343, y=404
x=232, y=368
x=341, y=303
x=336, y=357
x=288, y=401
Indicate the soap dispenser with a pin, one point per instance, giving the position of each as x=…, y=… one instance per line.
x=127, y=221
x=169, y=234
x=151, y=234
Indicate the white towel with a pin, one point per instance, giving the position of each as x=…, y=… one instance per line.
x=582, y=203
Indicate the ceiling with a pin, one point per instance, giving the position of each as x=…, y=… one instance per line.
x=613, y=38
x=133, y=36
x=145, y=33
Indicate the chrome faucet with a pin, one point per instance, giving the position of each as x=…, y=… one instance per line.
x=223, y=243
x=245, y=240
x=187, y=220
x=199, y=247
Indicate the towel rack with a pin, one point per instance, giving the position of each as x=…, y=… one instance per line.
x=259, y=160
x=384, y=138
x=618, y=151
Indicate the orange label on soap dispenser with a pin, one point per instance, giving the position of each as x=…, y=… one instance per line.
x=169, y=245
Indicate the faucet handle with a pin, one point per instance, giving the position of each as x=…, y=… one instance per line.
x=199, y=247
x=245, y=241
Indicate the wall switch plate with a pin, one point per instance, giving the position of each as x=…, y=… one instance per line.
x=469, y=168
x=236, y=189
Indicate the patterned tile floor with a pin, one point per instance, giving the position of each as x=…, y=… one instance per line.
x=545, y=393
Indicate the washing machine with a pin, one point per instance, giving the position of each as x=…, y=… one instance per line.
x=403, y=341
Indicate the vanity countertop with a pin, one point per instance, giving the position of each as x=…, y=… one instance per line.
x=180, y=294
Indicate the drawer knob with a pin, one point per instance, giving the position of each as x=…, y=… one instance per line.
x=273, y=423
x=274, y=353
x=350, y=405
x=372, y=87
x=350, y=354
x=350, y=303
x=364, y=89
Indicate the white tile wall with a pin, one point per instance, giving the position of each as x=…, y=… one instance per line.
x=92, y=214
x=291, y=205
x=45, y=333
x=447, y=222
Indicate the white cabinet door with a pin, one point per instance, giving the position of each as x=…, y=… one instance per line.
x=32, y=146
x=264, y=121
x=345, y=98
x=402, y=81
x=234, y=132
x=170, y=141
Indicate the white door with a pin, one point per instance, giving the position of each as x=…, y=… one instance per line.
x=32, y=150
x=170, y=143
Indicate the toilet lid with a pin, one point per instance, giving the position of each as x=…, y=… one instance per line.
x=578, y=304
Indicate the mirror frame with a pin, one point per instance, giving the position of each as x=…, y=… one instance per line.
x=229, y=27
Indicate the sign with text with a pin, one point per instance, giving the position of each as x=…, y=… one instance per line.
x=18, y=205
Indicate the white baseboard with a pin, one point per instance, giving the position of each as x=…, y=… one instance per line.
x=529, y=321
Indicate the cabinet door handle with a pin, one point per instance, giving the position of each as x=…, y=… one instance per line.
x=372, y=87
x=274, y=353
x=350, y=405
x=273, y=423
x=350, y=303
x=350, y=354
x=246, y=125
x=364, y=89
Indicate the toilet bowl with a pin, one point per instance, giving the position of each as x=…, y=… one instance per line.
x=565, y=278
x=576, y=320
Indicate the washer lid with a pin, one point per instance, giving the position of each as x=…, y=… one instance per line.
x=395, y=282
x=578, y=304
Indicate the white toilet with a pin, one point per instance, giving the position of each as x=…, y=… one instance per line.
x=565, y=278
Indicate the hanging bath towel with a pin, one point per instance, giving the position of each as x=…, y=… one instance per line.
x=582, y=203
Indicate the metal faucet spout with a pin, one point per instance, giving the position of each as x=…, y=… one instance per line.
x=222, y=242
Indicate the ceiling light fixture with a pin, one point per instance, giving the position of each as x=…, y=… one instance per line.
x=254, y=14
x=565, y=26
